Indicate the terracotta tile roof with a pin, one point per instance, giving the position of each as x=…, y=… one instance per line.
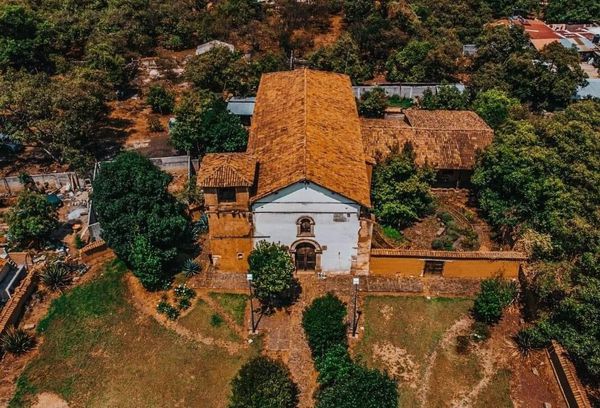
x=445, y=120
x=227, y=170
x=424, y=253
x=306, y=127
x=442, y=139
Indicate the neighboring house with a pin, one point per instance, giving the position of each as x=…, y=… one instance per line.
x=242, y=108
x=446, y=140
x=206, y=47
x=303, y=182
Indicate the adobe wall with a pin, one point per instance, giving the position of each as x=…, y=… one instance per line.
x=406, y=265
x=230, y=254
x=12, y=185
x=13, y=310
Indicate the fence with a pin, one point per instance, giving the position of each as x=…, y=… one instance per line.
x=407, y=91
x=12, y=185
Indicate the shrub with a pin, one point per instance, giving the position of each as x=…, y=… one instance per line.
x=533, y=337
x=324, y=324
x=167, y=309
x=263, y=383
x=372, y=103
x=79, y=242
x=56, y=276
x=333, y=365
x=191, y=268
x=183, y=292
x=445, y=243
x=360, y=387
x=16, y=341
x=494, y=296
x=160, y=99
x=462, y=344
x=184, y=304
x=216, y=320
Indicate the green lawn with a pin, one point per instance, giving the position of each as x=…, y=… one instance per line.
x=233, y=303
x=203, y=320
x=403, y=331
x=99, y=351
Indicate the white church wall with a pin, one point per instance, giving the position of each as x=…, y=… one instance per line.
x=336, y=222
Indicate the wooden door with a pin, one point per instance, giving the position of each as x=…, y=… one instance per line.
x=306, y=257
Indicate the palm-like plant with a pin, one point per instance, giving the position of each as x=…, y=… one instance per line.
x=16, y=341
x=56, y=276
x=191, y=268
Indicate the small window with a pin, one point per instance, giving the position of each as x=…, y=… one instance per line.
x=226, y=195
x=305, y=227
x=433, y=268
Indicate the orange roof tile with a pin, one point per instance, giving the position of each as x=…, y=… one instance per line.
x=227, y=170
x=441, y=139
x=306, y=127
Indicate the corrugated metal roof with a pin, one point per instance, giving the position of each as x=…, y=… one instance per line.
x=241, y=106
x=591, y=90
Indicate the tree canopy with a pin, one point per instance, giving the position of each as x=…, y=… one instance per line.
x=141, y=221
x=32, y=220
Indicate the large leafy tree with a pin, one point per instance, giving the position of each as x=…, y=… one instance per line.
x=203, y=125
x=272, y=268
x=446, y=97
x=60, y=116
x=343, y=56
x=141, y=221
x=32, y=220
x=401, y=190
x=24, y=39
x=572, y=11
x=494, y=106
x=373, y=103
x=263, y=383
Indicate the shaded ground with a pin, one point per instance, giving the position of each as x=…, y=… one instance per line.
x=106, y=353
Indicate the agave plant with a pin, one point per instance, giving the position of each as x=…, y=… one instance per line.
x=56, y=276
x=200, y=227
x=16, y=341
x=191, y=268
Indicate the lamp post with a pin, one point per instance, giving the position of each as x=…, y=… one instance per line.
x=355, y=283
x=249, y=279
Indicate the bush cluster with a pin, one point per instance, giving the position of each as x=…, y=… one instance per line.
x=495, y=295
x=343, y=383
x=161, y=100
x=164, y=307
x=263, y=383
x=16, y=341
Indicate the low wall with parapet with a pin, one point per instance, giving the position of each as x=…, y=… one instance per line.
x=573, y=392
x=450, y=264
x=12, y=185
x=13, y=310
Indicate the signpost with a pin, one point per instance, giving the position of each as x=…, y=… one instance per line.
x=249, y=279
x=355, y=283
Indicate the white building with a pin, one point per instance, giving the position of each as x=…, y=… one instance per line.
x=303, y=181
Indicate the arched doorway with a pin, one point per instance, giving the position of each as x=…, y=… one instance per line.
x=306, y=257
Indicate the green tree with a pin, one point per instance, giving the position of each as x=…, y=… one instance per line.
x=577, y=11
x=24, y=39
x=324, y=324
x=203, y=124
x=409, y=64
x=495, y=295
x=446, y=97
x=32, y=220
x=273, y=273
x=373, y=103
x=263, y=383
x=60, y=116
x=494, y=106
x=160, y=99
x=141, y=221
x=214, y=70
x=343, y=57
x=401, y=191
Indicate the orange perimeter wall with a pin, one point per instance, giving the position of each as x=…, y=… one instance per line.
x=453, y=268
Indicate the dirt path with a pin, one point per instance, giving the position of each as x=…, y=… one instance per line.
x=145, y=304
x=447, y=340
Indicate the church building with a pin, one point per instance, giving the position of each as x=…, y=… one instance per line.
x=304, y=180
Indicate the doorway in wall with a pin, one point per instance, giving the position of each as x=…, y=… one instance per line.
x=306, y=257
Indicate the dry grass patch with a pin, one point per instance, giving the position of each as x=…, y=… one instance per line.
x=401, y=333
x=497, y=392
x=99, y=351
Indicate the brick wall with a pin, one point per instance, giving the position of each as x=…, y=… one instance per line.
x=13, y=310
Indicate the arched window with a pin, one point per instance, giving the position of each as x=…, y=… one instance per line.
x=306, y=227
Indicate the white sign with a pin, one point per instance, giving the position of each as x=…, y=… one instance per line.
x=355, y=281
x=249, y=277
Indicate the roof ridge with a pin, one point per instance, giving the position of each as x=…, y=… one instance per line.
x=305, y=153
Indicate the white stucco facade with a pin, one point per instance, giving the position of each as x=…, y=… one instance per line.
x=336, y=223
